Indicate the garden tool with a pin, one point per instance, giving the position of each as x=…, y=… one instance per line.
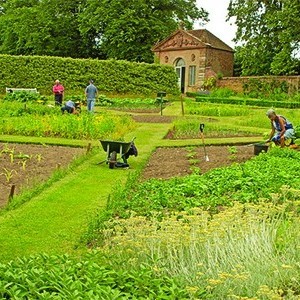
x=202, y=137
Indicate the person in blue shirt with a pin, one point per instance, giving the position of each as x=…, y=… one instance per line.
x=281, y=128
x=69, y=107
x=91, y=94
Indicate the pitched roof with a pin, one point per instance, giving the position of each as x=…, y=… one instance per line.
x=205, y=38
x=208, y=38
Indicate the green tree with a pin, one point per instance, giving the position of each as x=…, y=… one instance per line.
x=127, y=29
x=269, y=35
x=121, y=29
x=41, y=27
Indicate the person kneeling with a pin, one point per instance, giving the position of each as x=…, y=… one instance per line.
x=69, y=107
x=281, y=128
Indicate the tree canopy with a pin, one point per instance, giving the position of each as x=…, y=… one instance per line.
x=121, y=29
x=269, y=35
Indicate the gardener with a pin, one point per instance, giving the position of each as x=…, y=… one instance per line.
x=69, y=107
x=91, y=93
x=58, y=91
x=281, y=128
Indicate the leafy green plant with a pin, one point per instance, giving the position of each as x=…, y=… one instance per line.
x=222, y=93
x=23, y=96
x=256, y=88
x=209, y=83
x=92, y=277
x=232, y=152
x=232, y=149
x=85, y=126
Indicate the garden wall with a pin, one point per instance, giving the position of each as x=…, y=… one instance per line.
x=237, y=83
x=109, y=75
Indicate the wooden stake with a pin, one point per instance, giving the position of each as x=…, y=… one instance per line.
x=12, y=192
x=182, y=108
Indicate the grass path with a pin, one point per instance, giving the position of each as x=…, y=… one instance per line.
x=54, y=221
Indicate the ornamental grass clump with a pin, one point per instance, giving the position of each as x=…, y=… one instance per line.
x=230, y=254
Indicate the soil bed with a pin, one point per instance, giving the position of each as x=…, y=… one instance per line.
x=171, y=162
x=41, y=161
x=30, y=164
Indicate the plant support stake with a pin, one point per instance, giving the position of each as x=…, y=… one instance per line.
x=202, y=137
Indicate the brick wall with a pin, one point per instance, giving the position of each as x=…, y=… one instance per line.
x=220, y=61
x=236, y=83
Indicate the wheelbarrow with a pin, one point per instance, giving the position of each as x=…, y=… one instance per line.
x=113, y=148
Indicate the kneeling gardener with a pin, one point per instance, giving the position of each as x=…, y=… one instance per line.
x=281, y=128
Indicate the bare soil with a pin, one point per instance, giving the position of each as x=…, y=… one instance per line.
x=171, y=162
x=24, y=165
x=174, y=162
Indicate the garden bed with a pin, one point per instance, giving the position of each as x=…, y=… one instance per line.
x=24, y=165
x=170, y=162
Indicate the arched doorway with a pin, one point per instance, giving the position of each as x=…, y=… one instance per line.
x=180, y=71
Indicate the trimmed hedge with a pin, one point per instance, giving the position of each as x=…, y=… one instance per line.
x=250, y=102
x=109, y=75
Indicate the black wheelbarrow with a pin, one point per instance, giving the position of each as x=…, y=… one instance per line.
x=113, y=148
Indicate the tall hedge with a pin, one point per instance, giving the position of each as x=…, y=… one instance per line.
x=109, y=75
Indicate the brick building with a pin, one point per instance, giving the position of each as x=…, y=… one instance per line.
x=196, y=55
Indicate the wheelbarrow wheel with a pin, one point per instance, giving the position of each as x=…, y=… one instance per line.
x=112, y=159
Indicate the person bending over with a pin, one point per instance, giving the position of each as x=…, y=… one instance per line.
x=281, y=128
x=69, y=107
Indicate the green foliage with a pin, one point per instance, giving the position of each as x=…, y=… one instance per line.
x=92, y=277
x=129, y=29
x=18, y=109
x=257, y=88
x=269, y=37
x=24, y=96
x=209, y=83
x=250, y=102
x=110, y=75
x=129, y=103
x=183, y=129
x=250, y=182
x=40, y=28
x=84, y=126
x=255, y=179
x=222, y=93
x=89, y=28
x=297, y=131
x=205, y=108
